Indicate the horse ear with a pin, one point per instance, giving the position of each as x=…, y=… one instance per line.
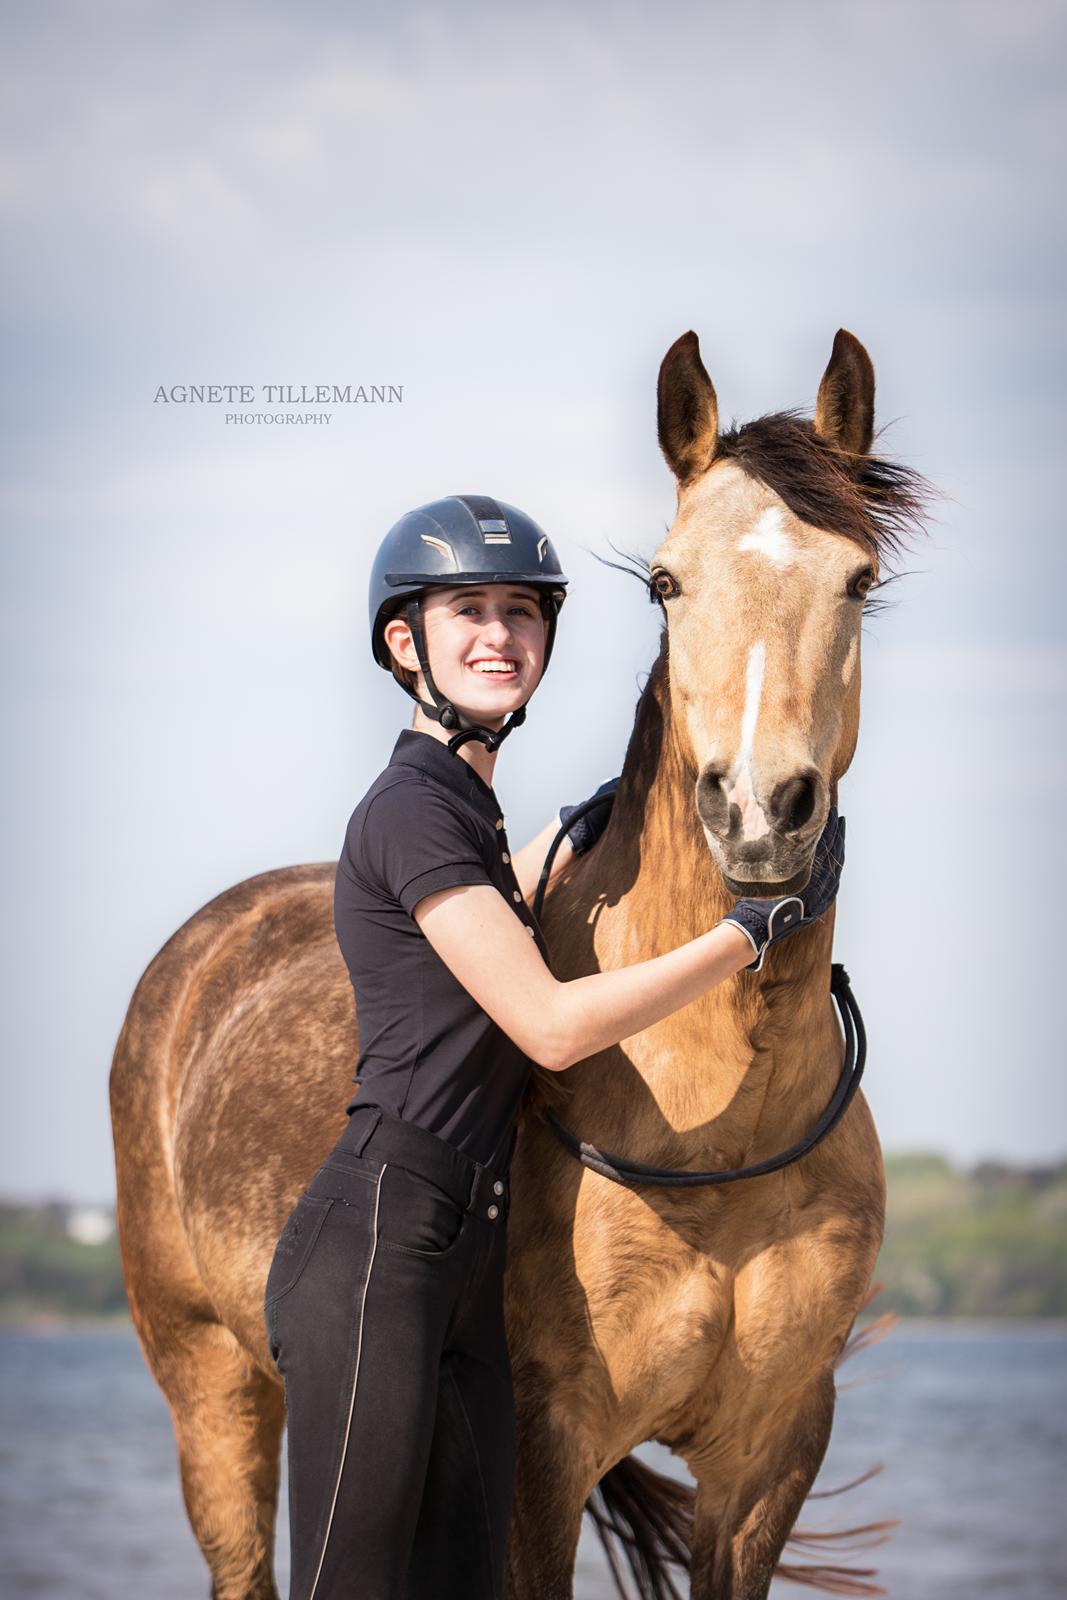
x=688, y=414
x=844, y=411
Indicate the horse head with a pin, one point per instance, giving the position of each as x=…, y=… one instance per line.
x=781, y=532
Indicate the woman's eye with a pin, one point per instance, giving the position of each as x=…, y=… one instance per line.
x=526, y=611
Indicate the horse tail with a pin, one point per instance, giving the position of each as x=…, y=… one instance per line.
x=651, y=1516
x=645, y=1518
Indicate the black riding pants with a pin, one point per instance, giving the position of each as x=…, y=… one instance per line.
x=384, y=1313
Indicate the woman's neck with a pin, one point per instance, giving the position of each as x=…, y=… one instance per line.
x=472, y=751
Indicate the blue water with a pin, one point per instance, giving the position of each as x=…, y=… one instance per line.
x=969, y=1418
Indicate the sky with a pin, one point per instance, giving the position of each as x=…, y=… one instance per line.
x=511, y=211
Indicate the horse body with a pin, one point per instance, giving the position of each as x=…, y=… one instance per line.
x=709, y=1319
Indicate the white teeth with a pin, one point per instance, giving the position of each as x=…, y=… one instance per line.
x=500, y=667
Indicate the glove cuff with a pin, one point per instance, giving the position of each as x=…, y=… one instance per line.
x=762, y=927
x=754, y=929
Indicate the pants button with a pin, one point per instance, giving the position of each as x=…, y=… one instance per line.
x=494, y=1211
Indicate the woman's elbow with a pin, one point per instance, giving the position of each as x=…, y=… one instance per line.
x=552, y=1044
x=541, y=1048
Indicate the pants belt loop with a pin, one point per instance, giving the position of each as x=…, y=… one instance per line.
x=364, y=1134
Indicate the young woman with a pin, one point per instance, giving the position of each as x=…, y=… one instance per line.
x=384, y=1303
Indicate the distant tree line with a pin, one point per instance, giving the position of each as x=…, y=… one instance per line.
x=44, y=1271
x=986, y=1242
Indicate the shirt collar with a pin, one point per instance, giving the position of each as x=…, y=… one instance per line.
x=422, y=750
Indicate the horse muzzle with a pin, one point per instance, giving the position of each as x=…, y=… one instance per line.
x=762, y=848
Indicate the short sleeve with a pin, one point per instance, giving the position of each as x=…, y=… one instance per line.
x=416, y=840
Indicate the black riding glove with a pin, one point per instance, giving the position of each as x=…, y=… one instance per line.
x=587, y=829
x=765, y=921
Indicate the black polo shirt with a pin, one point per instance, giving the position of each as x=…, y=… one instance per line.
x=428, y=1052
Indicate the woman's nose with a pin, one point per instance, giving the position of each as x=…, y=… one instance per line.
x=496, y=629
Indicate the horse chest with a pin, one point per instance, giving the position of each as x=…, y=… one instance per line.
x=656, y=1311
x=675, y=1310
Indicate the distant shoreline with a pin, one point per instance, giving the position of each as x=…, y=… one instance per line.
x=984, y=1247
x=904, y=1326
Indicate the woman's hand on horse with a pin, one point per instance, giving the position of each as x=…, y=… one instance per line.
x=766, y=921
x=529, y=861
x=588, y=828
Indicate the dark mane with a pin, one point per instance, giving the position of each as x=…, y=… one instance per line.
x=877, y=502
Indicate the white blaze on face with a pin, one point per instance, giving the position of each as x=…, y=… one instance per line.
x=753, y=822
x=850, y=662
x=770, y=538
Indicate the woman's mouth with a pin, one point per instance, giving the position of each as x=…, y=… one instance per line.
x=495, y=670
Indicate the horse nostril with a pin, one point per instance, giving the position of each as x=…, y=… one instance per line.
x=793, y=802
x=712, y=806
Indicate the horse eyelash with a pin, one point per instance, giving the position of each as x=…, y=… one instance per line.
x=636, y=566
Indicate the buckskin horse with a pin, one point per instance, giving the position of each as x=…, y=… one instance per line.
x=708, y=1316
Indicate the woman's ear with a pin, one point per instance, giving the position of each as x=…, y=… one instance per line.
x=397, y=636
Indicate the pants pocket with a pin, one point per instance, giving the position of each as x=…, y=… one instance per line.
x=417, y=1218
x=295, y=1245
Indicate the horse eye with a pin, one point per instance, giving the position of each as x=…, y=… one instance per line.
x=860, y=583
x=661, y=586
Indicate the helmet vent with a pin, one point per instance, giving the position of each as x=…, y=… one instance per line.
x=494, y=530
x=442, y=545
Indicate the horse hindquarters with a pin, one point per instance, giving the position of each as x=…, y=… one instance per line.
x=227, y=1414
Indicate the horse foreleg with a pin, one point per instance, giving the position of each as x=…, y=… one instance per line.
x=740, y=1527
x=552, y=1481
x=228, y=1418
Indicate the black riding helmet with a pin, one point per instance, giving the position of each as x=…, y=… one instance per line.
x=464, y=539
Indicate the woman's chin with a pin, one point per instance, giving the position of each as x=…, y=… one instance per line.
x=496, y=704
x=490, y=716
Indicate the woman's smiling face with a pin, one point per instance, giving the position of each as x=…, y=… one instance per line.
x=486, y=646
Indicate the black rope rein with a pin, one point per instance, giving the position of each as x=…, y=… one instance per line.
x=620, y=1170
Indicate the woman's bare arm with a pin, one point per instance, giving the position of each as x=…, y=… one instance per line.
x=489, y=951
x=528, y=862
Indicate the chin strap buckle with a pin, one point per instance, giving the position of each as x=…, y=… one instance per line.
x=492, y=739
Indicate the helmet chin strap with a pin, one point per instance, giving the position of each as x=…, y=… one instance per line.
x=442, y=710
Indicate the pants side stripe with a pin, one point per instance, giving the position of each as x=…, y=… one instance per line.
x=355, y=1380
